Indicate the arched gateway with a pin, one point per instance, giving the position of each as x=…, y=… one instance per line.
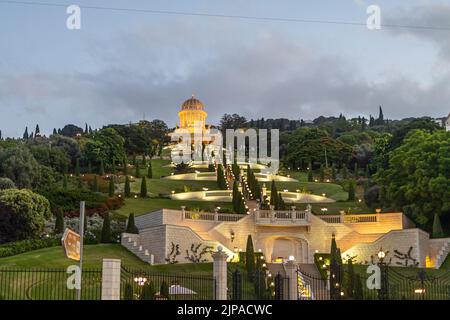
x=279, y=248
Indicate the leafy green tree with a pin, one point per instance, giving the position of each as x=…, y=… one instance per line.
x=131, y=225
x=59, y=222
x=71, y=131
x=164, y=290
x=143, y=187
x=22, y=214
x=19, y=165
x=106, y=229
x=417, y=178
x=437, y=228
x=250, y=257
x=127, y=190
x=6, y=183
x=111, y=187
x=105, y=144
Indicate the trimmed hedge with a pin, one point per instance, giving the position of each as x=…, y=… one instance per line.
x=13, y=248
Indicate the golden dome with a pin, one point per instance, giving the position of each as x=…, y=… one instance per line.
x=192, y=104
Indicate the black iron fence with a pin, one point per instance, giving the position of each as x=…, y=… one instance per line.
x=257, y=285
x=48, y=284
x=141, y=284
x=394, y=284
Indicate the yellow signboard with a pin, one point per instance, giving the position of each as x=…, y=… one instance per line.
x=71, y=244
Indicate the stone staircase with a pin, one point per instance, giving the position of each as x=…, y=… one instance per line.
x=133, y=243
x=442, y=255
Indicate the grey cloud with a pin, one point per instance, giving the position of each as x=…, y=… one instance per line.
x=266, y=75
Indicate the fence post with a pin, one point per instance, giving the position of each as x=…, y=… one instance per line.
x=111, y=279
x=291, y=273
x=220, y=273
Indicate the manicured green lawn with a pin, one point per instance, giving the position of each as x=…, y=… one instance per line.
x=164, y=186
x=55, y=258
x=331, y=190
x=140, y=206
x=158, y=168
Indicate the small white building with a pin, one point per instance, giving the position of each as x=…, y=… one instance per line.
x=444, y=122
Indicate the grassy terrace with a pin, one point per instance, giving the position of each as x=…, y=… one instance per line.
x=141, y=206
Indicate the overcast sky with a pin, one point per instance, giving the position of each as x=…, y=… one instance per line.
x=122, y=65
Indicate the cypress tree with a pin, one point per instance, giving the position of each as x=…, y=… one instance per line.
x=322, y=173
x=350, y=288
x=125, y=167
x=113, y=167
x=250, y=257
x=351, y=191
x=150, y=170
x=355, y=171
x=164, y=290
x=77, y=168
x=236, y=197
x=64, y=182
x=333, y=172
x=344, y=172
x=437, y=227
x=111, y=187
x=367, y=172
x=80, y=183
x=127, y=190
x=273, y=194
x=55, y=132
x=143, y=188
x=102, y=168
x=59, y=222
x=221, y=182
x=128, y=292
x=358, y=290
x=310, y=175
x=280, y=202
x=25, y=134
x=144, y=160
x=148, y=291
x=89, y=166
x=137, y=173
x=95, y=184
x=131, y=225
x=106, y=229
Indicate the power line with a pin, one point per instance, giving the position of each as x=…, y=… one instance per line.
x=226, y=16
